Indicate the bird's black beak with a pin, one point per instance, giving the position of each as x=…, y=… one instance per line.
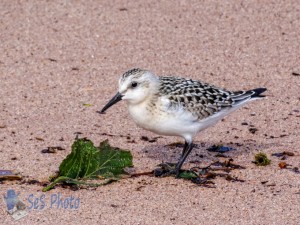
x=114, y=100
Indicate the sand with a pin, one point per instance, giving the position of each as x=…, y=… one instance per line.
x=58, y=56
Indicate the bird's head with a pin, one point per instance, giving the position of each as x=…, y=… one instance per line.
x=135, y=86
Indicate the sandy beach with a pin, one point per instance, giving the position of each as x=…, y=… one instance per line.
x=60, y=63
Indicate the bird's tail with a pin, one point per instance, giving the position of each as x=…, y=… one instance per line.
x=243, y=96
x=256, y=93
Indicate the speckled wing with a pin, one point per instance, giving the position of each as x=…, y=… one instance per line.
x=201, y=99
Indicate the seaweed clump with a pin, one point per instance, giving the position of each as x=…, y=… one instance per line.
x=261, y=159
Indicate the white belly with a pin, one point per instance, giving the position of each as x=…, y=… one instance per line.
x=165, y=123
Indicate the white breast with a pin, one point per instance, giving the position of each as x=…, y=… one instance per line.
x=141, y=116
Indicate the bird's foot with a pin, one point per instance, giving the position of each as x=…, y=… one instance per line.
x=167, y=169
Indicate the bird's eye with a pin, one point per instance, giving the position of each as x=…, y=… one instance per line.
x=134, y=84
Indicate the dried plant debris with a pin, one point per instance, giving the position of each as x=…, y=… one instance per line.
x=177, y=144
x=261, y=159
x=284, y=153
x=39, y=139
x=52, y=60
x=52, y=149
x=267, y=184
x=151, y=140
x=296, y=170
x=9, y=175
x=30, y=181
x=202, y=176
x=87, y=162
x=219, y=148
x=129, y=138
x=227, y=164
x=284, y=165
x=252, y=130
x=165, y=169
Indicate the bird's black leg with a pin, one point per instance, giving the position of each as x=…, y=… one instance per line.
x=184, y=148
x=185, y=152
x=166, y=168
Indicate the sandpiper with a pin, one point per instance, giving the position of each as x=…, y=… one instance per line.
x=177, y=106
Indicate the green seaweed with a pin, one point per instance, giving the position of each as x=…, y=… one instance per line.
x=87, y=104
x=261, y=159
x=188, y=175
x=87, y=162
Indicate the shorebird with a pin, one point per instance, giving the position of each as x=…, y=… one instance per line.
x=176, y=106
